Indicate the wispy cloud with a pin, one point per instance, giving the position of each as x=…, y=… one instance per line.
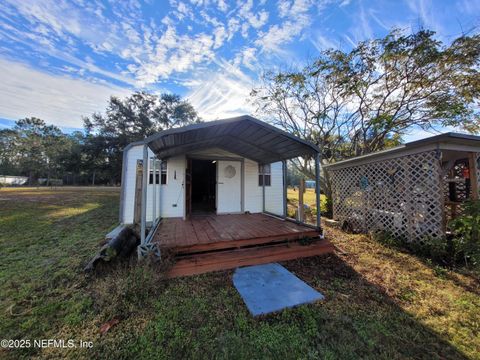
x=60, y=100
x=323, y=42
x=222, y=93
x=296, y=18
x=425, y=12
x=211, y=50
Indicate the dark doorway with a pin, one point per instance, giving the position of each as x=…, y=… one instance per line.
x=204, y=178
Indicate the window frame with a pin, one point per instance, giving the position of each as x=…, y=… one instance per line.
x=164, y=172
x=160, y=172
x=264, y=175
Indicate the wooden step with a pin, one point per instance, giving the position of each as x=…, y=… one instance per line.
x=230, y=259
x=238, y=244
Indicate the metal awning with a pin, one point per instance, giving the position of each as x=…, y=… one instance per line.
x=243, y=135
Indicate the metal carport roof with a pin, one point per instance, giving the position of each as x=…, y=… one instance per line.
x=243, y=135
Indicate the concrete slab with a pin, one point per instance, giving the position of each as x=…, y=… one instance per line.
x=270, y=287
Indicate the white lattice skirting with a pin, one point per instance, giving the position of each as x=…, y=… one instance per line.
x=403, y=196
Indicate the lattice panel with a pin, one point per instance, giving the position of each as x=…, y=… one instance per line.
x=403, y=196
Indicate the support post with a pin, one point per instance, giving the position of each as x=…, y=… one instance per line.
x=301, y=207
x=154, y=192
x=160, y=189
x=317, y=188
x=472, y=165
x=242, y=186
x=285, y=208
x=263, y=188
x=143, y=227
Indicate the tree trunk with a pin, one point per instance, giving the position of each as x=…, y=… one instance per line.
x=93, y=178
x=326, y=186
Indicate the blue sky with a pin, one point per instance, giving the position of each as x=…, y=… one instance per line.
x=61, y=60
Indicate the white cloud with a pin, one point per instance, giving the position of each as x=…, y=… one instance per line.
x=249, y=58
x=222, y=93
x=184, y=10
x=278, y=35
x=259, y=20
x=256, y=19
x=297, y=18
x=222, y=5
x=220, y=35
x=363, y=30
x=59, y=100
x=322, y=42
x=283, y=7
x=233, y=27
x=425, y=11
x=174, y=53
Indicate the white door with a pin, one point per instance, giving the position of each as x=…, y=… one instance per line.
x=229, y=194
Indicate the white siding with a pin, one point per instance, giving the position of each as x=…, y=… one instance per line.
x=274, y=193
x=128, y=187
x=170, y=194
x=172, y=200
x=253, y=192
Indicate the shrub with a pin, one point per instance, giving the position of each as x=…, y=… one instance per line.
x=466, y=234
x=434, y=248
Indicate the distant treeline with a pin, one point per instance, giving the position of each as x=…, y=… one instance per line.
x=93, y=156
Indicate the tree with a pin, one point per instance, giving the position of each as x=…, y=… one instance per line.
x=34, y=149
x=361, y=101
x=132, y=119
x=38, y=147
x=8, y=155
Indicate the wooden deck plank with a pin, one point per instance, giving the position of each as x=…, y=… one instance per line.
x=200, y=231
x=222, y=229
x=243, y=242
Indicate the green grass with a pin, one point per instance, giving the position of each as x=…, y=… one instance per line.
x=309, y=198
x=380, y=303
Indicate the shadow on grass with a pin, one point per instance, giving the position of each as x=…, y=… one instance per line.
x=203, y=317
x=375, y=323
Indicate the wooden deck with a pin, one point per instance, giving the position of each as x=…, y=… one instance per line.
x=218, y=242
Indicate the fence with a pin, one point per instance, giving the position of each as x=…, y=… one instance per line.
x=403, y=196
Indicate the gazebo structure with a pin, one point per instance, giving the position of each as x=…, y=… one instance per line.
x=410, y=191
x=215, y=194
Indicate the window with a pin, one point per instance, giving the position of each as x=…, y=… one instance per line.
x=160, y=172
x=264, y=175
x=163, y=173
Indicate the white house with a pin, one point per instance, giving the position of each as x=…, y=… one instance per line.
x=222, y=182
x=234, y=166
x=220, y=174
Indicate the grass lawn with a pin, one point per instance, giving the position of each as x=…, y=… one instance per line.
x=309, y=199
x=380, y=303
